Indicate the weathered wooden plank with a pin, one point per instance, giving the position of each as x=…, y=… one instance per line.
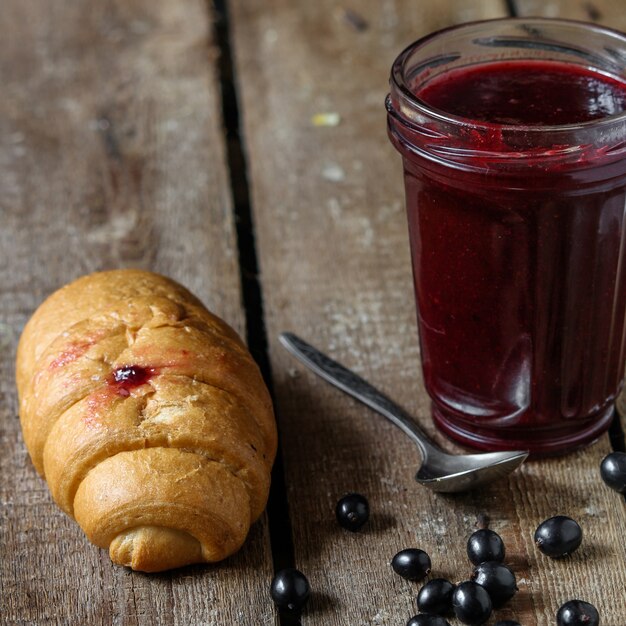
x=111, y=154
x=331, y=232
x=607, y=12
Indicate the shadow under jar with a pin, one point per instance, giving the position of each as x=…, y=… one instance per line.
x=513, y=138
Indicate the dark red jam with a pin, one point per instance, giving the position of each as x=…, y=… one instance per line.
x=129, y=377
x=534, y=93
x=520, y=274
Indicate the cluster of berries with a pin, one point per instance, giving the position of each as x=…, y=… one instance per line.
x=491, y=584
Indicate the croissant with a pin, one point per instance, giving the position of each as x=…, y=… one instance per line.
x=147, y=417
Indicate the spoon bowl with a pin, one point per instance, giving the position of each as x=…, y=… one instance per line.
x=439, y=471
x=451, y=473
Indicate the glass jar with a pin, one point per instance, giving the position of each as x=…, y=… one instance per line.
x=517, y=240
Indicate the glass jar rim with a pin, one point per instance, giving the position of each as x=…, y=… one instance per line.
x=402, y=89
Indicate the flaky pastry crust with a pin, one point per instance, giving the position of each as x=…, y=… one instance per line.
x=147, y=417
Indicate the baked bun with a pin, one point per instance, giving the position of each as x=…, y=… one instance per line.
x=147, y=417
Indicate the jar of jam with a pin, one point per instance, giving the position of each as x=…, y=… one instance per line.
x=513, y=139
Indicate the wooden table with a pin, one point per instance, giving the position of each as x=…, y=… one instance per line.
x=178, y=136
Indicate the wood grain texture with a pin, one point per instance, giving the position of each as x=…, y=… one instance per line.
x=611, y=13
x=111, y=154
x=331, y=234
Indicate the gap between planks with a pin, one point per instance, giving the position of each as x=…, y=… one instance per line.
x=281, y=538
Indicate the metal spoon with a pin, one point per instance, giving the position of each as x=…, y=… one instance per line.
x=439, y=471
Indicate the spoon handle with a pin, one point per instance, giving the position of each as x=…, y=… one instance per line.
x=358, y=388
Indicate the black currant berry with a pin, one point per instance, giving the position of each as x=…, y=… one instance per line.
x=412, y=564
x=471, y=603
x=352, y=511
x=558, y=536
x=507, y=622
x=290, y=589
x=577, y=613
x=427, y=620
x=435, y=597
x=485, y=545
x=613, y=471
x=497, y=579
